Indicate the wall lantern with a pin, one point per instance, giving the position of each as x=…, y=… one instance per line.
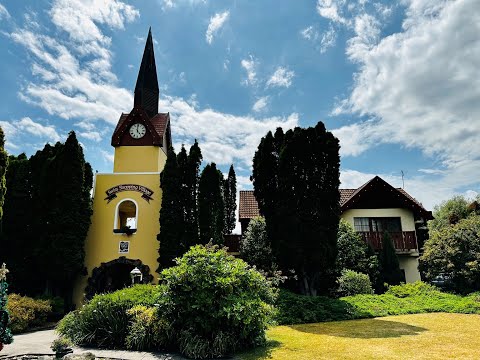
x=136, y=276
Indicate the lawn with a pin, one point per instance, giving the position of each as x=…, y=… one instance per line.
x=419, y=336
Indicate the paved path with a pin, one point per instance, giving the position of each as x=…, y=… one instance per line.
x=39, y=342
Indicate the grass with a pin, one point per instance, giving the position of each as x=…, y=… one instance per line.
x=419, y=336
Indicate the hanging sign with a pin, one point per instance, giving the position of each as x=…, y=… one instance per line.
x=112, y=192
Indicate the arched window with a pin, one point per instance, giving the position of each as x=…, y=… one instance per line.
x=126, y=217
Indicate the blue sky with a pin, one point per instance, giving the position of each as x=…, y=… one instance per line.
x=397, y=82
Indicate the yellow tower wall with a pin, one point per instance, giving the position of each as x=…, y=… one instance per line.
x=101, y=244
x=139, y=159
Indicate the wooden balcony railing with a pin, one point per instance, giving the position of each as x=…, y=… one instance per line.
x=402, y=240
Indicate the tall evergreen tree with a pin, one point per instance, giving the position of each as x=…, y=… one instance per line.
x=230, y=198
x=390, y=267
x=71, y=218
x=16, y=233
x=211, y=207
x=170, y=213
x=192, y=179
x=3, y=170
x=296, y=180
x=183, y=199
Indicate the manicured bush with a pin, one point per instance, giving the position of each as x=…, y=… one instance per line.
x=5, y=332
x=104, y=321
x=26, y=312
x=216, y=304
x=354, y=283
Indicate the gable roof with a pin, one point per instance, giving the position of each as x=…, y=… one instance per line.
x=158, y=125
x=248, y=206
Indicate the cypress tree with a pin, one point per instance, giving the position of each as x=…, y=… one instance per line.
x=390, y=267
x=230, y=198
x=191, y=232
x=71, y=216
x=183, y=199
x=170, y=213
x=211, y=207
x=296, y=180
x=3, y=171
x=16, y=234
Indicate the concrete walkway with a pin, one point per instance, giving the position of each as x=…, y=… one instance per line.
x=39, y=342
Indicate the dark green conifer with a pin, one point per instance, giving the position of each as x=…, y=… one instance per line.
x=3, y=171
x=170, y=212
x=230, y=198
x=211, y=207
x=390, y=267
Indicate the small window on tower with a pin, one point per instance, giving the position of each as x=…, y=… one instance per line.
x=126, y=218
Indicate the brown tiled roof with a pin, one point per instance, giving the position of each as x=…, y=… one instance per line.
x=123, y=117
x=248, y=206
x=345, y=194
x=410, y=197
x=160, y=122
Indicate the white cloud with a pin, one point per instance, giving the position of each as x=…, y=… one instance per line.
x=15, y=128
x=91, y=135
x=282, y=77
x=107, y=156
x=223, y=138
x=323, y=42
x=4, y=12
x=216, y=23
x=331, y=10
x=80, y=17
x=309, y=33
x=260, y=104
x=250, y=65
x=328, y=39
x=420, y=88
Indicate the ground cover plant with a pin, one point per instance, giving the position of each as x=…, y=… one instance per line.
x=410, y=298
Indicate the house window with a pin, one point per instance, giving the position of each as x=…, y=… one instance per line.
x=377, y=224
x=126, y=216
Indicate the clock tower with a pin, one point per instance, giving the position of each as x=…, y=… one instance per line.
x=126, y=203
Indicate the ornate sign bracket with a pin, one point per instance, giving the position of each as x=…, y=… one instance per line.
x=113, y=191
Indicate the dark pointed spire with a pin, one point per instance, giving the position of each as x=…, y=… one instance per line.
x=146, y=89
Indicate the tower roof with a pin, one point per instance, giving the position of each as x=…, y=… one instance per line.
x=146, y=89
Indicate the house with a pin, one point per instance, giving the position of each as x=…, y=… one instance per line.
x=372, y=209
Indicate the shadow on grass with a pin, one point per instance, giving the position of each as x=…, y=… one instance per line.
x=363, y=329
x=263, y=352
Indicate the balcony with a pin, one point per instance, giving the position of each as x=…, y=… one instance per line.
x=402, y=240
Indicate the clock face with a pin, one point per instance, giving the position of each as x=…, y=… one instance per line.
x=137, y=131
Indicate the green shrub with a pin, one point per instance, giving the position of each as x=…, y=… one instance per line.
x=104, y=320
x=299, y=309
x=215, y=303
x=147, y=330
x=354, y=283
x=398, y=300
x=26, y=312
x=61, y=344
x=58, y=306
x=412, y=289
